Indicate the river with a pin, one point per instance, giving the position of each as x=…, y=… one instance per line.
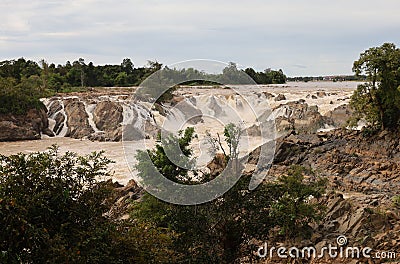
x=337, y=93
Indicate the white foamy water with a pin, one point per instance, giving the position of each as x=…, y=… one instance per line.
x=113, y=150
x=209, y=101
x=89, y=108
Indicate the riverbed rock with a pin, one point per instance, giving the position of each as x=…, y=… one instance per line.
x=299, y=116
x=268, y=95
x=108, y=117
x=340, y=115
x=59, y=119
x=217, y=165
x=29, y=126
x=77, y=119
x=280, y=97
x=363, y=177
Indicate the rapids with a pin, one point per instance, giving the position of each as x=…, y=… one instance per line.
x=209, y=103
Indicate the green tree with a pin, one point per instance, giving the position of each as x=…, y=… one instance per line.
x=220, y=231
x=53, y=210
x=18, y=98
x=127, y=66
x=378, y=100
x=122, y=79
x=292, y=212
x=159, y=158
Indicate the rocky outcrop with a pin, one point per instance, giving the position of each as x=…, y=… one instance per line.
x=59, y=119
x=108, y=117
x=123, y=197
x=351, y=161
x=77, y=119
x=101, y=117
x=54, y=107
x=363, y=175
x=361, y=224
x=29, y=126
x=269, y=95
x=340, y=115
x=280, y=97
x=217, y=165
x=300, y=117
x=194, y=115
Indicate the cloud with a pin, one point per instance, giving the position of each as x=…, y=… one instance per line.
x=326, y=36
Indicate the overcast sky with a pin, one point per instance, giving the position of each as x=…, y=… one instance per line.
x=303, y=37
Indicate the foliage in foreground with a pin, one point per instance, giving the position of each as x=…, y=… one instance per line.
x=220, y=231
x=396, y=201
x=52, y=210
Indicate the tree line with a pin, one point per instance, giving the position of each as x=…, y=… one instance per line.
x=339, y=78
x=23, y=82
x=77, y=74
x=81, y=74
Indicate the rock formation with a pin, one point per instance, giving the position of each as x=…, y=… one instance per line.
x=340, y=115
x=77, y=119
x=300, y=117
x=108, y=118
x=28, y=126
x=280, y=97
x=364, y=176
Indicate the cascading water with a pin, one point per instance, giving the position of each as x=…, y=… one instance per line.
x=89, y=108
x=62, y=129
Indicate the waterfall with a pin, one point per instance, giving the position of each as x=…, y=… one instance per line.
x=62, y=130
x=127, y=114
x=89, y=108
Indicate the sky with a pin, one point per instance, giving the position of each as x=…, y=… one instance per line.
x=303, y=37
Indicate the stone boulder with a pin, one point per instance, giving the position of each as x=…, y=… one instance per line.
x=77, y=119
x=217, y=165
x=300, y=117
x=59, y=123
x=194, y=115
x=268, y=95
x=340, y=115
x=280, y=97
x=29, y=126
x=54, y=107
x=108, y=117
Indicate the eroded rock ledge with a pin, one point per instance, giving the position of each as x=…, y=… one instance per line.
x=29, y=126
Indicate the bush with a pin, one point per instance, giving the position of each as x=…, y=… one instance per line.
x=396, y=201
x=293, y=211
x=19, y=105
x=220, y=231
x=52, y=210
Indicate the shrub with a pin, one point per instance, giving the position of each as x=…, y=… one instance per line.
x=396, y=201
x=52, y=210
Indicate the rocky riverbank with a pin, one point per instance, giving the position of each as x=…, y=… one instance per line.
x=364, y=177
x=29, y=126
